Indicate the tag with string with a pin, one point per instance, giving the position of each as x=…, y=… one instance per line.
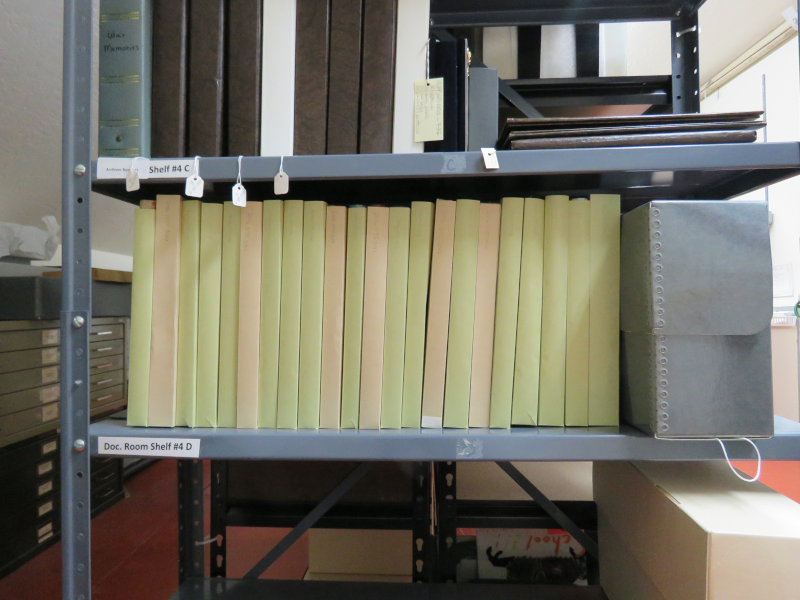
x=132, y=176
x=238, y=192
x=194, y=183
x=490, y=158
x=281, y=184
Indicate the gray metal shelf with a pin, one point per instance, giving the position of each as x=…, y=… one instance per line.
x=252, y=589
x=639, y=174
x=522, y=443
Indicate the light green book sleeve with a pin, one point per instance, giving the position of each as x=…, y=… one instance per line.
x=353, y=314
x=462, y=314
x=229, y=315
x=576, y=396
x=604, y=310
x=269, y=344
x=554, y=311
x=505, y=326
x=311, y=307
x=394, y=340
x=525, y=408
x=419, y=268
x=208, y=314
x=144, y=235
x=291, y=282
x=187, y=314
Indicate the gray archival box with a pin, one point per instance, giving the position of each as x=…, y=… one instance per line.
x=695, y=311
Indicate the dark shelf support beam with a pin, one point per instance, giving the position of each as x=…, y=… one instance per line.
x=685, y=62
x=219, y=509
x=190, y=519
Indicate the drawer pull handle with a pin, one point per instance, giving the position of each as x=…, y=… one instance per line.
x=105, y=366
x=104, y=333
x=101, y=398
x=104, y=349
x=104, y=381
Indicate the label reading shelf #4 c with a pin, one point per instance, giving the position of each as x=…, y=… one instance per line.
x=117, y=168
x=140, y=446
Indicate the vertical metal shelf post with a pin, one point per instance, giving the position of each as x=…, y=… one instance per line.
x=685, y=32
x=76, y=301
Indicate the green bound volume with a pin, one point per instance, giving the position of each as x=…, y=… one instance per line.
x=229, y=315
x=208, y=314
x=576, y=395
x=187, y=313
x=291, y=282
x=394, y=340
x=505, y=328
x=144, y=236
x=419, y=269
x=313, y=282
x=525, y=407
x=462, y=314
x=353, y=314
x=552, y=381
x=269, y=345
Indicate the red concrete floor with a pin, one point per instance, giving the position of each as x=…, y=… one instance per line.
x=135, y=542
x=135, y=547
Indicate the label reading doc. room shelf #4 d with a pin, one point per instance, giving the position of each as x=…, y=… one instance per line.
x=162, y=447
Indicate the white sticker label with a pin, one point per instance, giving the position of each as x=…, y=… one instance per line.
x=45, y=508
x=429, y=110
x=490, y=158
x=49, y=446
x=49, y=413
x=51, y=336
x=194, y=186
x=239, y=195
x=45, y=467
x=50, y=355
x=42, y=540
x=117, y=168
x=49, y=374
x=49, y=394
x=138, y=446
x=46, y=529
x=281, y=184
x=45, y=487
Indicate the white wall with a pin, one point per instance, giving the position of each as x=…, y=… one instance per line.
x=30, y=126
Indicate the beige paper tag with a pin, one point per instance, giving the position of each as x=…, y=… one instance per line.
x=50, y=336
x=50, y=355
x=239, y=195
x=281, y=184
x=47, y=486
x=49, y=446
x=429, y=110
x=49, y=394
x=49, y=412
x=46, y=508
x=49, y=374
x=45, y=467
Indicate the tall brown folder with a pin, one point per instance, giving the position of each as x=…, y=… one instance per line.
x=243, y=82
x=377, y=77
x=345, y=76
x=311, y=76
x=169, y=78
x=206, y=70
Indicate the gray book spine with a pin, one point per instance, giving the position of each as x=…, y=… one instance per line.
x=125, y=72
x=483, y=108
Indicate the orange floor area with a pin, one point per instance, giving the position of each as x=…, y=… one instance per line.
x=135, y=542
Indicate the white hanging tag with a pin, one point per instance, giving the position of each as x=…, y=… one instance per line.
x=490, y=158
x=239, y=195
x=132, y=176
x=194, y=183
x=281, y=185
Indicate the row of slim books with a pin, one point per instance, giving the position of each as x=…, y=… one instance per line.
x=297, y=314
x=260, y=77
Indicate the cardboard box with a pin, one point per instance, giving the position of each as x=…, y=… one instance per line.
x=695, y=532
x=369, y=554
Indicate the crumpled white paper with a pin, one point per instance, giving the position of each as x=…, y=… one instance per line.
x=24, y=241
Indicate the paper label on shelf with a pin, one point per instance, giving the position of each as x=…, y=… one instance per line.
x=46, y=508
x=281, y=184
x=117, y=168
x=239, y=195
x=45, y=487
x=429, y=110
x=490, y=158
x=44, y=467
x=49, y=446
x=49, y=374
x=142, y=446
x=782, y=280
x=50, y=355
x=49, y=413
x=49, y=394
x=51, y=336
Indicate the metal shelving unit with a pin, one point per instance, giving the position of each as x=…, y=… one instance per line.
x=638, y=174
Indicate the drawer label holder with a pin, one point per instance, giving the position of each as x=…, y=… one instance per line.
x=142, y=446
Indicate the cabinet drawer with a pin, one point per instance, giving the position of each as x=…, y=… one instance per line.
x=17, y=401
x=22, y=461
x=29, y=359
x=27, y=491
x=104, y=364
x=102, y=381
x=31, y=338
x=105, y=396
x=107, y=473
x=105, y=348
x=28, y=419
x=101, y=333
x=29, y=378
